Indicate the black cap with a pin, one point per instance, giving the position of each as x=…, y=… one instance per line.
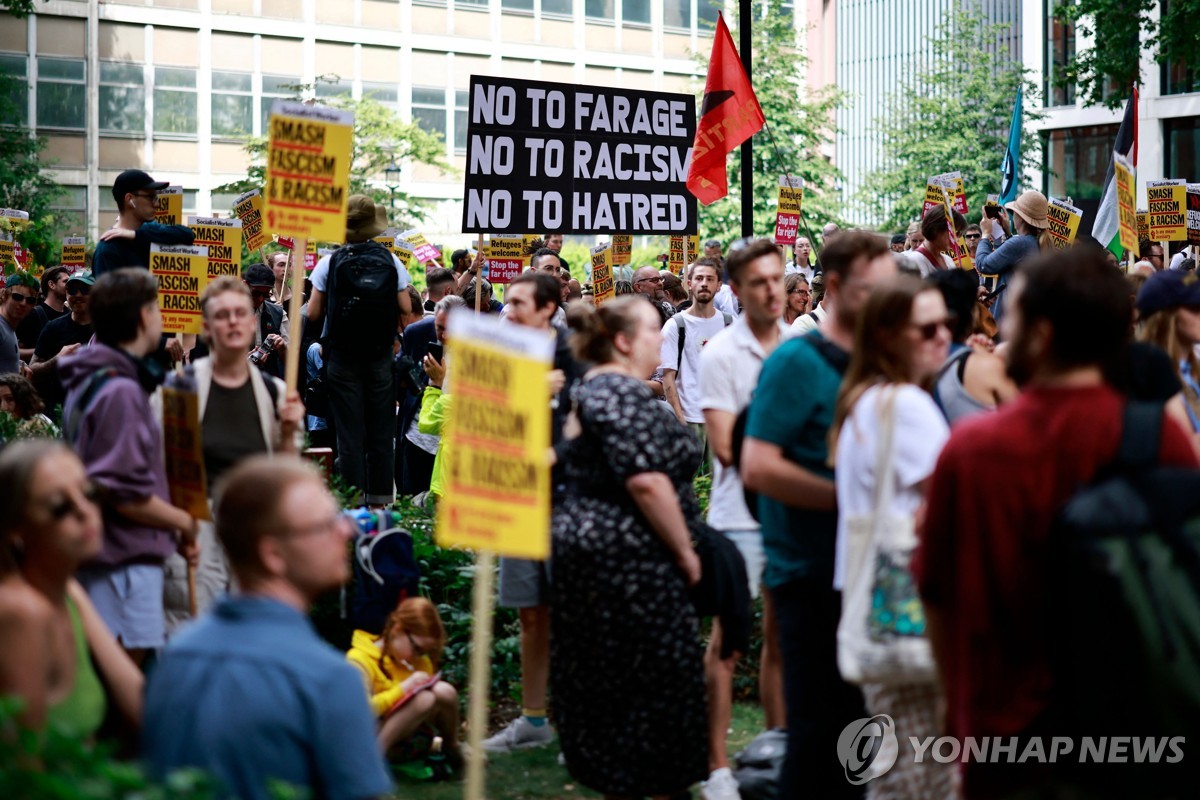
x=259, y=275
x=134, y=180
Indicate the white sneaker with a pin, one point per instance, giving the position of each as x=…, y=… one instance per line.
x=519, y=735
x=721, y=785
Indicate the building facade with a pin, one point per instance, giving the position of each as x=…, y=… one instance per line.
x=1077, y=142
x=174, y=86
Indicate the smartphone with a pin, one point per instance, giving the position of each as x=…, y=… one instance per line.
x=992, y=212
x=435, y=350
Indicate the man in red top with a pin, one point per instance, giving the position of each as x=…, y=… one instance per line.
x=983, y=567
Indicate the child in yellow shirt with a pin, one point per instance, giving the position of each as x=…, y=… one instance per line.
x=398, y=667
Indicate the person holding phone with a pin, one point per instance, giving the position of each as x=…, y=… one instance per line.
x=435, y=403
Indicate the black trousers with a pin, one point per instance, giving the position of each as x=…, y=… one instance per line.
x=819, y=703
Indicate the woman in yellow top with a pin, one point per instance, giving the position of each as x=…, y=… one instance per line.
x=397, y=668
x=50, y=633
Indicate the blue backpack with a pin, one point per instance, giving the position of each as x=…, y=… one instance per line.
x=385, y=570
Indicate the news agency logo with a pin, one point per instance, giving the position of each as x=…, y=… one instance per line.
x=868, y=748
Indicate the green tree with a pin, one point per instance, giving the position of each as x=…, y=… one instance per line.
x=381, y=138
x=801, y=121
x=1121, y=31
x=953, y=116
x=24, y=183
x=18, y=8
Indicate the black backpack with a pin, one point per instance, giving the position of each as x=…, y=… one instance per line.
x=1126, y=605
x=682, y=328
x=385, y=568
x=363, y=314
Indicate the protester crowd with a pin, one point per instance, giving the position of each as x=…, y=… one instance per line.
x=889, y=438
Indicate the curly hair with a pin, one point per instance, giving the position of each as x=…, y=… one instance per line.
x=29, y=402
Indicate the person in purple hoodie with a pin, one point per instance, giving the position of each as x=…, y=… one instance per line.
x=108, y=420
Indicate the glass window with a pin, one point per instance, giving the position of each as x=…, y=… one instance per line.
x=122, y=97
x=70, y=209
x=275, y=87
x=1076, y=161
x=707, y=11
x=1060, y=49
x=558, y=7
x=1181, y=140
x=14, y=74
x=517, y=5
x=429, y=109
x=678, y=13
x=599, y=9
x=232, y=103
x=460, y=120
x=333, y=88
x=175, y=100
x=467, y=3
x=385, y=93
x=61, y=93
x=637, y=11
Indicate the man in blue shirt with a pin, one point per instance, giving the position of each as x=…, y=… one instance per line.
x=250, y=693
x=127, y=244
x=785, y=461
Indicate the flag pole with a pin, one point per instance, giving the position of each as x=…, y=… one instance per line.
x=745, y=40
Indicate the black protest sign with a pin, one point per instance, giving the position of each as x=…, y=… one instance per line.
x=564, y=158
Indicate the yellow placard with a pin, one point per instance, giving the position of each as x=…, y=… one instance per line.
x=223, y=238
x=308, y=170
x=1143, y=226
x=622, y=249
x=956, y=193
x=169, y=210
x=1166, y=202
x=182, y=275
x=677, y=254
x=495, y=440
x=935, y=195
x=1127, y=216
x=249, y=208
x=8, y=256
x=787, y=215
x=505, y=257
x=74, y=252
x=183, y=450
x=693, y=248
x=1063, y=223
x=603, y=288
x=1193, y=213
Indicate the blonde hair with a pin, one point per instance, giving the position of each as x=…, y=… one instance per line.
x=1162, y=329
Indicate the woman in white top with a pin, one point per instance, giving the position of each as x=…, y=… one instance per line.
x=901, y=342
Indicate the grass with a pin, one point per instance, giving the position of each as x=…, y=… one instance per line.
x=536, y=775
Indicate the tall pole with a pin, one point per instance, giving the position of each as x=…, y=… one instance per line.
x=744, y=22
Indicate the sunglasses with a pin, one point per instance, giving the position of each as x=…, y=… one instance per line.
x=260, y=292
x=930, y=330
x=24, y=298
x=973, y=236
x=78, y=289
x=61, y=508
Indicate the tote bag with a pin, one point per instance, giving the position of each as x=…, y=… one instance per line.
x=881, y=635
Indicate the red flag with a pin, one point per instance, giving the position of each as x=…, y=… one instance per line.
x=729, y=115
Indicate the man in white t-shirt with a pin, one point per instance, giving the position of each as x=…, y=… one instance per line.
x=729, y=367
x=684, y=336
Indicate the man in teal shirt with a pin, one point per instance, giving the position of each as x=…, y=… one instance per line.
x=786, y=462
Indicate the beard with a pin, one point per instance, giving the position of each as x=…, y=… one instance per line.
x=1021, y=360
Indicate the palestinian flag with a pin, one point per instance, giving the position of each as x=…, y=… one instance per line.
x=1107, y=228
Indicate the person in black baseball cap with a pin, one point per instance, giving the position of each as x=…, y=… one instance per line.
x=127, y=243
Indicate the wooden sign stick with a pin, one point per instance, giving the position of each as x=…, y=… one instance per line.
x=292, y=361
